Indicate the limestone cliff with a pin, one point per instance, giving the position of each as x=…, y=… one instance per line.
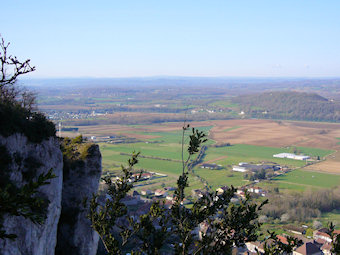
x=29, y=160
x=66, y=230
x=82, y=170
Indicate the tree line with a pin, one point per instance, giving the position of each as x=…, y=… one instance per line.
x=302, y=206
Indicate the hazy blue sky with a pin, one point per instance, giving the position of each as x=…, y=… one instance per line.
x=187, y=37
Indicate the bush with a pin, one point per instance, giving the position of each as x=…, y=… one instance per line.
x=16, y=119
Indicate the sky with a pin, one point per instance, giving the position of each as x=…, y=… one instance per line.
x=138, y=38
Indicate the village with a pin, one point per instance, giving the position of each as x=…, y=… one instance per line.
x=139, y=202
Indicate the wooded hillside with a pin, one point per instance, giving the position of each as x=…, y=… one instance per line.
x=289, y=105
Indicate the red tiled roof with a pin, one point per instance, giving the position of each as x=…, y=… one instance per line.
x=320, y=241
x=282, y=239
x=308, y=248
x=322, y=234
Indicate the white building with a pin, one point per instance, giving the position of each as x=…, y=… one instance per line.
x=291, y=156
x=239, y=169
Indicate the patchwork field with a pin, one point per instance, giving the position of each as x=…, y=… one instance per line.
x=252, y=140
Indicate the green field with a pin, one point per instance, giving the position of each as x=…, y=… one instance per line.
x=111, y=158
x=168, y=146
x=251, y=153
x=309, y=179
x=217, y=178
x=331, y=217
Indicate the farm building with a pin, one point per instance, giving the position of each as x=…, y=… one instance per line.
x=240, y=169
x=211, y=166
x=291, y=156
x=245, y=167
x=295, y=229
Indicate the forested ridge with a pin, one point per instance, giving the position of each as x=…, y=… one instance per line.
x=289, y=105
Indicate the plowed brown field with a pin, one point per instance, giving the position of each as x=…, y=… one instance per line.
x=277, y=133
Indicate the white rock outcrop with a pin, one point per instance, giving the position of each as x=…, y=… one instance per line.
x=81, y=180
x=34, y=239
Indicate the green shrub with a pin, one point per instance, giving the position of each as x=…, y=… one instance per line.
x=75, y=151
x=16, y=119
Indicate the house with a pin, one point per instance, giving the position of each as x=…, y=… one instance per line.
x=255, y=246
x=145, y=192
x=197, y=193
x=241, y=193
x=295, y=230
x=320, y=234
x=146, y=176
x=326, y=249
x=282, y=239
x=308, y=249
x=185, y=202
x=222, y=189
x=160, y=193
x=255, y=190
x=170, y=197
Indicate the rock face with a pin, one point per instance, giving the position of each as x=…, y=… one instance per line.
x=81, y=179
x=66, y=230
x=34, y=159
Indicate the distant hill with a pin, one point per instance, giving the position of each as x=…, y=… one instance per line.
x=289, y=105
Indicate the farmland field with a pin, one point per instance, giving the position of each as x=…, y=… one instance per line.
x=249, y=139
x=310, y=179
x=161, y=146
x=252, y=141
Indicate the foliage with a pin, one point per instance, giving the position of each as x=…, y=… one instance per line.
x=75, y=151
x=16, y=105
x=228, y=223
x=103, y=217
x=23, y=201
x=273, y=246
x=17, y=116
x=16, y=67
x=289, y=105
x=335, y=239
x=303, y=206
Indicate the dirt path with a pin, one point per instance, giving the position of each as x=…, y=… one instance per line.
x=213, y=160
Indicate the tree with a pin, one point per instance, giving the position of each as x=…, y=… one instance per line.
x=16, y=115
x=229, y=224
x=23, y=201
x=317, y=224
x=335, y=239
x=273, y=245
x=10, y=69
